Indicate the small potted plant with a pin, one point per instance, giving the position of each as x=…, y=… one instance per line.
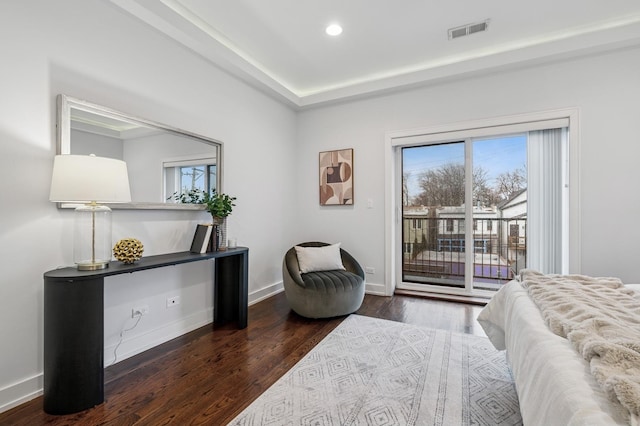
x=219, y=205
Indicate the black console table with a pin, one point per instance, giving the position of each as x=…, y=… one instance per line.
x=74, y=321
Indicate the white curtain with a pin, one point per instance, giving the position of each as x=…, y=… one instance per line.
x=546, y=200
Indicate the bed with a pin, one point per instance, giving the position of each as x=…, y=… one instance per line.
x=554, y=383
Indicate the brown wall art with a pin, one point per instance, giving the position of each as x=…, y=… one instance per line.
x=336, y=177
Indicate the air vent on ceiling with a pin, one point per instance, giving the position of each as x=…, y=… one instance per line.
x=468, y=29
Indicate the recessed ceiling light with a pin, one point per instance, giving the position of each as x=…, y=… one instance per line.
x=334, y=30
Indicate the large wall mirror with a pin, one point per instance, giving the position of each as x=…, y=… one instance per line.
x=161, y=160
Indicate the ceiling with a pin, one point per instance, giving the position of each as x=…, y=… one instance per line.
x=280, y=46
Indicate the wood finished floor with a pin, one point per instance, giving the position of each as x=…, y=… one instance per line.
x=210, y=375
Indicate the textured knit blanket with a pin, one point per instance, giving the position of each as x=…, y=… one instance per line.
x=601, y=318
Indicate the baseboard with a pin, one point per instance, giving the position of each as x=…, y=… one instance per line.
x=151, y=338
x=21, y=392
x=375, y=289
x=273, y=289
x=30, y=388
x=265, y=292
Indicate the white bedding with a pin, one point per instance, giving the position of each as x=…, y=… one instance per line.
x=554, y=383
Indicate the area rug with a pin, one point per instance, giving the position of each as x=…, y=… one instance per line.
x=370, y=371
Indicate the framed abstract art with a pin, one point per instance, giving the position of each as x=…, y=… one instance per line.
x=336, y=177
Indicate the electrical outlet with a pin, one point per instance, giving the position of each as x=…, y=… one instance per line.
x=369, y=270
x=173, y=301
x=139, y=311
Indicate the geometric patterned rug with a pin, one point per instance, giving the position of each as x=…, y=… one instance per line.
x=370, y=371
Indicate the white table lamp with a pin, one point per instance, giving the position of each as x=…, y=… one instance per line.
x=90, y=180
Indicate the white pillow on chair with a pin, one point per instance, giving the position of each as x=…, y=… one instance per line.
x=325, y=258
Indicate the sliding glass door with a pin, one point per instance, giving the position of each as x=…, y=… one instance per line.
x=464, y=213
x=473, y=203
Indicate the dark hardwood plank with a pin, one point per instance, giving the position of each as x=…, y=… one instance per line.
x=211, y=374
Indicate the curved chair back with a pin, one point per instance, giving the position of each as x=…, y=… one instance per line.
x=291, y=261
x=333, y=293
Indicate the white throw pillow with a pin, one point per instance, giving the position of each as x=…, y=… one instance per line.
x=325, y=258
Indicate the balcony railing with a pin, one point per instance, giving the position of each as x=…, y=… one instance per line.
x=434, y=250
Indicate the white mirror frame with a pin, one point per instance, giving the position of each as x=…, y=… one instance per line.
x=63, y=132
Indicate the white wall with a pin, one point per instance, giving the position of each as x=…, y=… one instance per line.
x=99, y=145
x=145, y=156
x=604, y=88
x=92, y=50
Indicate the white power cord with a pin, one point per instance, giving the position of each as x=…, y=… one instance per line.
x=124, y=330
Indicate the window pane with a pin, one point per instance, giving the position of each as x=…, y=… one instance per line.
x=500, y=207
x=193, y=172
x=211, y=184
x=192, y=177
x=434, y=195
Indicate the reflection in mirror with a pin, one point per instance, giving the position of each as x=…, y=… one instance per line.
x=161, y=160
x=187, y=173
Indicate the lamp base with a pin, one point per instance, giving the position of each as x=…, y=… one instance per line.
x=92, y=237
x=92, y=266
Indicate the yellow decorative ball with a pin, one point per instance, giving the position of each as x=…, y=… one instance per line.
x=128, y=250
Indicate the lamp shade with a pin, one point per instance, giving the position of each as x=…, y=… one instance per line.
x=87, y=178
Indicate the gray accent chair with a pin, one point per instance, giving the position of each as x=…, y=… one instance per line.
x=323, y=294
